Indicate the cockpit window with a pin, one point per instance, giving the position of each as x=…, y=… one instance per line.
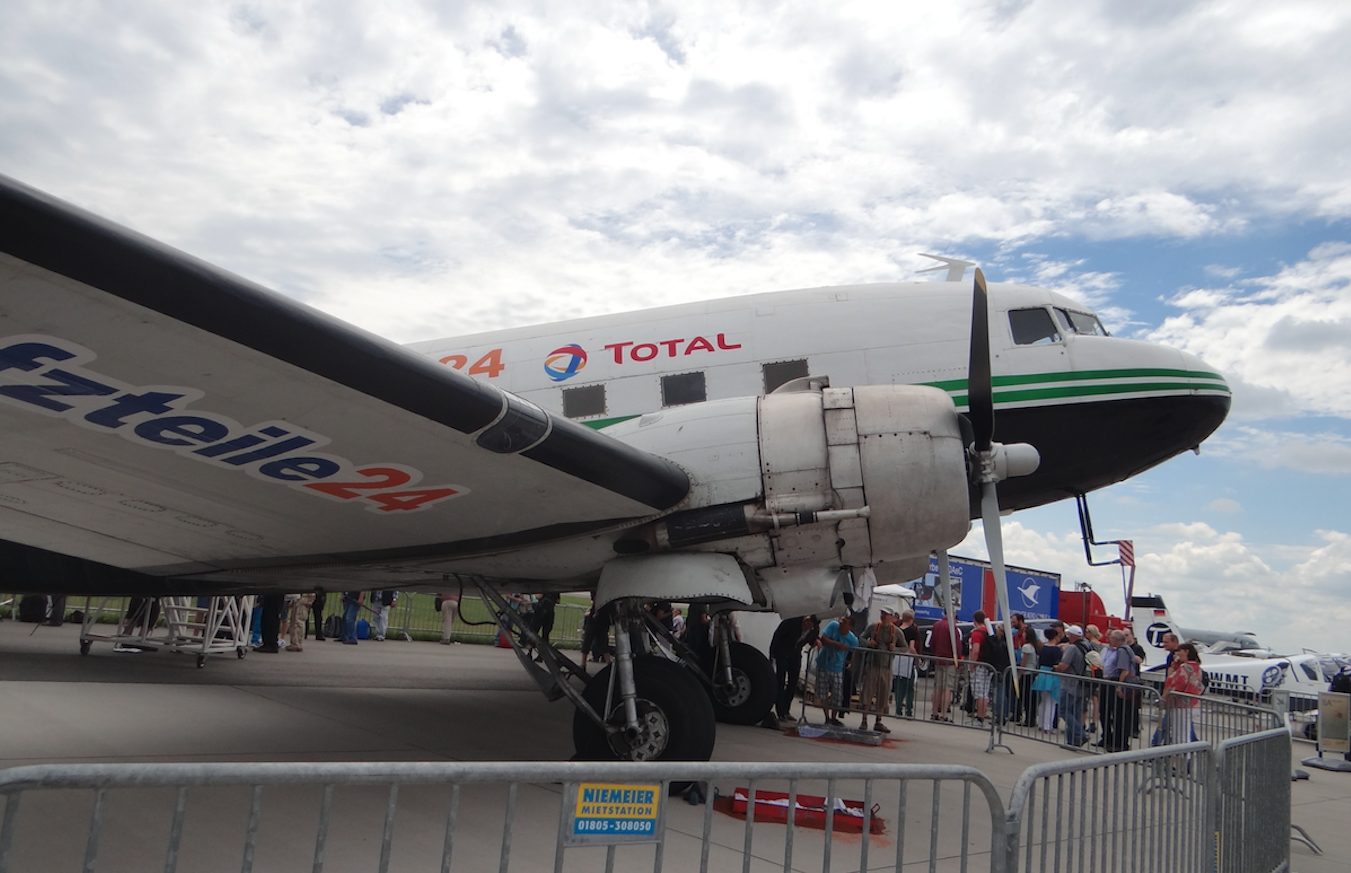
x=1032, y=326
x=1082, y=323
x=1309, y=670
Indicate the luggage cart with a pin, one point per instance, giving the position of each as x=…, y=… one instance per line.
x=219, y=627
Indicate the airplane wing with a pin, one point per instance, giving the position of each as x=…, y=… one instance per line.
x=166, y=421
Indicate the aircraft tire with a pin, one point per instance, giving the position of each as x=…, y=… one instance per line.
x=753, y=696
x=673, y=707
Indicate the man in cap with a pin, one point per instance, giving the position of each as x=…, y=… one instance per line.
x=1073, y=663
x=883, y=636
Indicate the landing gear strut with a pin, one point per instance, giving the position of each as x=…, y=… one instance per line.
x=737, y=677
x=674, y=716
x=651, y=708
x=643, y=707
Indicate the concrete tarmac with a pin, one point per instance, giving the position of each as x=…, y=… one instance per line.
x=400, y=701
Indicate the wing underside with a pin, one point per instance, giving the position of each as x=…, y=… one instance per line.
x=163, y=419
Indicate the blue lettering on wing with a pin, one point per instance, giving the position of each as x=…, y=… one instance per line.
x=156, y=416
x=65, y=385
x=24, y=355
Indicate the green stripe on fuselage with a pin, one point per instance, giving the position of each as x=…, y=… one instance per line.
x=602, y=423
x=1208, y=382
x=1064, y=391
x=1087, y=375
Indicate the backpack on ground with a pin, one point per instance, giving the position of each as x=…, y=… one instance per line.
x=333, y=626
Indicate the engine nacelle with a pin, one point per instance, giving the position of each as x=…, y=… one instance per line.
x=800, y=483
x=896, y=449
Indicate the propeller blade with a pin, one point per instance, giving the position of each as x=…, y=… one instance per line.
x=979, y=388
x=994, y=542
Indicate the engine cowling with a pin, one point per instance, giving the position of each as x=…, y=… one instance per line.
x=800, y=483
x=896, y=449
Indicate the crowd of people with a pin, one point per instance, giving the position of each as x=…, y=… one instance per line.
x=1075, y=683
x=296, y=613
x=860, y=666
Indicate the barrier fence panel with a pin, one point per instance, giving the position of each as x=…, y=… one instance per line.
x=415, y=617
x=914, y=688
x=1252, y=803
x=1130, y=811
x=1111, y=716
x=570, y=816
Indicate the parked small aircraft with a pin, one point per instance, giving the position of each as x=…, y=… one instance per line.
x=172, y=428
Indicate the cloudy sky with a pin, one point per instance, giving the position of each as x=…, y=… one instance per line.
x=439, y=168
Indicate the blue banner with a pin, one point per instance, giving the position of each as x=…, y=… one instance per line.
x=1033, y=593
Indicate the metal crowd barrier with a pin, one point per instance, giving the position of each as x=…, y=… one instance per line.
x=915, y=696
x=1129, y=811
x=1252, y=787
x=414, y=617
x=1181, y=808
x=1131, y=716
x=464, y=816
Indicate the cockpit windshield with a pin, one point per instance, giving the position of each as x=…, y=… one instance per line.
x=1032, y=326
x=1081, y=323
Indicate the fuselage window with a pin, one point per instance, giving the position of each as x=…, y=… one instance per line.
x=1032, y=326
x=683, y=388
x=780, y=372
x=581, y=402
x=1082, y=323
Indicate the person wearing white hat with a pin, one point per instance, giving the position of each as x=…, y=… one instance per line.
x=1073, y=664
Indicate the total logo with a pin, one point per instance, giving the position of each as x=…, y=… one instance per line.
x=161, y=417
x=562, y=364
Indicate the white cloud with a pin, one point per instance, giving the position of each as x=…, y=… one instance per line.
x=1308, y=452
x=1287, y=336
x=585, y=159
x=1225, y=504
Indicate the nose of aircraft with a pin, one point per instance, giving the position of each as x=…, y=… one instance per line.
x=1127, y=406
x=1211, y=396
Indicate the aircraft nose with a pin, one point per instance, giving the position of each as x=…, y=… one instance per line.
x=1211, y=396
x=1131, y=405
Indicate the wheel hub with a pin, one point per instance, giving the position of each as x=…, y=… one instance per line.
x=654, y=732
x=737, y=693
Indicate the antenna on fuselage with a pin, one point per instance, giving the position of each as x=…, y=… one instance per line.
x=956, y=267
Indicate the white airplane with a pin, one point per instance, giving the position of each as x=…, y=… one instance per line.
x=1236, y=664
x=173, y=429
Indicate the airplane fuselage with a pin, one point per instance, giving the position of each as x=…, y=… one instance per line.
x=1098, y=408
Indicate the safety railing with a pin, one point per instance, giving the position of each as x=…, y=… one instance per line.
x=1251, y=803
x=1097, y=715
x=467, y=816
x=910, y=687
x=413, y=617
x=1129, y=811
x=1182, y=808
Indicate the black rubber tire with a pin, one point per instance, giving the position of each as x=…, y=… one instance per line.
x=670, y=697
x=201, y=661
x=754, y=695
x=84, y=646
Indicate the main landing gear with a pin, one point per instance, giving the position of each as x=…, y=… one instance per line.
x=656, y=701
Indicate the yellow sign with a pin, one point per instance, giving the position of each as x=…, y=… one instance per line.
x=616, y=809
